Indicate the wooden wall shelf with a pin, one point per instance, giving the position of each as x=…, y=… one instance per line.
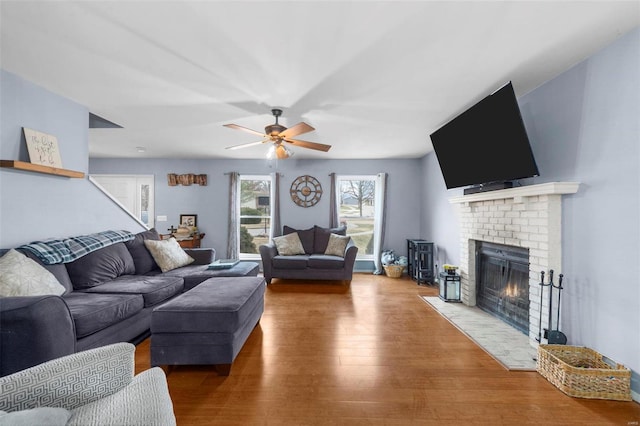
x=37, y=168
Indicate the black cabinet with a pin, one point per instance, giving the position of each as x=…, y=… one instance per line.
x=420, y=257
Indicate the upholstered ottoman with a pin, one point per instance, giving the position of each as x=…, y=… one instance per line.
x=208, y=324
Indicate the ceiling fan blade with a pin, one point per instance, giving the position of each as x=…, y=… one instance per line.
x=310, y=145
x=245, y=145
x=296, y=130
x=246, y=129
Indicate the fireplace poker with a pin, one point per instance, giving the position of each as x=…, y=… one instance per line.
x=557, y=337
x=550, y=324
x=542, y=285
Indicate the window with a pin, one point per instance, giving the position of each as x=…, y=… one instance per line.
x=255, y=213
x=356, y=208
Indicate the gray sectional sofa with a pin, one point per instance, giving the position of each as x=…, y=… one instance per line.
x=109, y=295
x=312, y=262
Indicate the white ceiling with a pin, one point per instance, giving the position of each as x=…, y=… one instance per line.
x=374, y=78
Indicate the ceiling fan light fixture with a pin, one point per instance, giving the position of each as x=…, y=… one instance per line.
x=283, y=152
x=279, y=151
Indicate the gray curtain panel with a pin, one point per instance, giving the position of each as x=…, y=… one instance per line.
x=233, y=235
x=276, y=227
x=380, y=222
x=333, y=207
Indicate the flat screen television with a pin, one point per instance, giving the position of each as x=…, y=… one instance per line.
x=486, y=145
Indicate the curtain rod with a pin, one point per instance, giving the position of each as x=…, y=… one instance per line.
x=228, y=173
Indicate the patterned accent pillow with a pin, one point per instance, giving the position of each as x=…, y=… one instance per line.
x=337, y=245
x=21, y=276
x=168, y=254
x=289, y=245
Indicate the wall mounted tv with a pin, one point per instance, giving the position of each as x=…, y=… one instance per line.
x=486, y=146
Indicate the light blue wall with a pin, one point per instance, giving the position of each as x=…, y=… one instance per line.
x=584, y=127
x=437, y=224
x=38, y=206
x=211, y=202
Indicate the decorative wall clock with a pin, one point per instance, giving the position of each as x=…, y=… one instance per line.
x=306, y=191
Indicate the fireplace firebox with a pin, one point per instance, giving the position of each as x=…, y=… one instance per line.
x=502, y=283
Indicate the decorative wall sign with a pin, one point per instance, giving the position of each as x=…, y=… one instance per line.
x=306, y=191
x=43, y=148
x=186, y=179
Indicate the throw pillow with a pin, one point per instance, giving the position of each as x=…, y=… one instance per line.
x=142, y=259
x=289, y=245
x=306, y=237
x=168, y=254
x=337, y=245
x=321, y=237
x=100, y=266
x=52, y=416
x=21, y=276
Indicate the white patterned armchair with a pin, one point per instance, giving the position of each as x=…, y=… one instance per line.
x=93, y=387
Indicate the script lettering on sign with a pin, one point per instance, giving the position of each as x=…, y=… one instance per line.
x=43, y=148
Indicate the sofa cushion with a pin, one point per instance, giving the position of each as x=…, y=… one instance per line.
x=321, y=237
x=21, y=276
x=290, y=262
x=323, y=261
x=144, y=401
x=93, y=312
x=168, y=254
x=337, y=245
x=50, y=416
x=154, y=290
x=289, y=245
x=142, y=258
x=101, y=266
x=306, y=237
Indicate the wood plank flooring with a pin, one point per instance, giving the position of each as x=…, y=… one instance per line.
x=369, y=353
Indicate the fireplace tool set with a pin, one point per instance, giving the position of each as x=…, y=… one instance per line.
x=553, y=336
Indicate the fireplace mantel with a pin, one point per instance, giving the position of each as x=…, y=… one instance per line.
x=520, y=192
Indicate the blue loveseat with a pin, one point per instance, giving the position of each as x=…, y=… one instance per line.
x=313, y=264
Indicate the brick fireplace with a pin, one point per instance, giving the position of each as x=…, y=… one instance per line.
x=529, y=217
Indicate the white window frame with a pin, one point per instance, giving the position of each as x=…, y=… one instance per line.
x=373, y=178
x=242, y=177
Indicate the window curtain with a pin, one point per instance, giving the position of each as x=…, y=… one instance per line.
x=233, y=234
x=275, y=228
x=380, y=221
x=333, y=202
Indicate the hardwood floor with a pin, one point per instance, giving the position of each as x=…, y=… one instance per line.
x=369, y=353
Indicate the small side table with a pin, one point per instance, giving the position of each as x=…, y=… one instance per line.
x=193, y=242
x=449, y=287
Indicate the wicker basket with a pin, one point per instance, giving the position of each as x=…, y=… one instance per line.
x=581, y=372
x=393, y=271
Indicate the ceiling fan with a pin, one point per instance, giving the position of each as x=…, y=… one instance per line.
x=276, y=134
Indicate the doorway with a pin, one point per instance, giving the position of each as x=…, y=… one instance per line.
x=134, y=193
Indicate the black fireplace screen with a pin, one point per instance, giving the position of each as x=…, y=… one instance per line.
x=502, y=283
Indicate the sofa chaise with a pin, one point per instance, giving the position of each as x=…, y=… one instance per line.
x=103, y=297
x=316, y=253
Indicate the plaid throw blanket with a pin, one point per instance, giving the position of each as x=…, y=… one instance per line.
x=69, y=249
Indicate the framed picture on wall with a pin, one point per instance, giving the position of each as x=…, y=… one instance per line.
x=189, y=219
